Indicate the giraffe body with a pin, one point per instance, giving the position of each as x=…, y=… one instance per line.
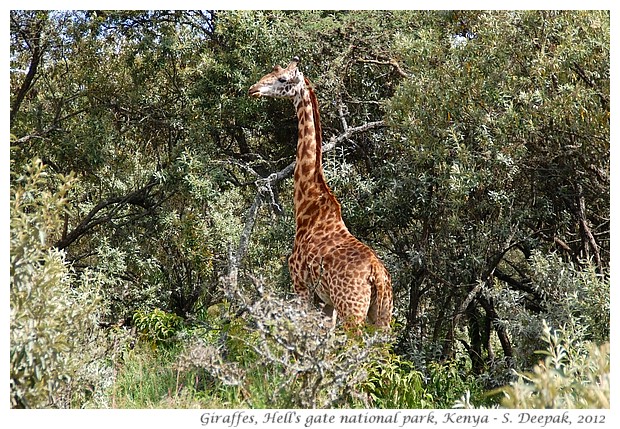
x=327, y=260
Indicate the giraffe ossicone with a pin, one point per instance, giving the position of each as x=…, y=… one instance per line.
x=327, y=260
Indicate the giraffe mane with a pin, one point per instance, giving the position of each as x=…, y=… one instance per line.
x=315, y=113
x=318, y=132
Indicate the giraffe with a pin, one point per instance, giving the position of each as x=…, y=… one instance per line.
x=327, y=260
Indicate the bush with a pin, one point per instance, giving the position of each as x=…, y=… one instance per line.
x=393, y=382
x=54, y=334
x=574, y=374
x=575, y=297
x=282, y=354
x=157, y=327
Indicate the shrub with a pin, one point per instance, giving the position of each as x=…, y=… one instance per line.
x=576, y=297
x=282, y=354
x=574, y=374
x=157, y=327
x=393, y=382
x=53, y=324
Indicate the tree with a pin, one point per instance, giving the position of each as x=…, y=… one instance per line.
x=507, y=155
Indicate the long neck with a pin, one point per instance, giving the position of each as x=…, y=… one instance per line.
x=313, y=198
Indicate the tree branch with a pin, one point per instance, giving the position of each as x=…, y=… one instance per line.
x=54, y=126
x=33, y=41
x=386, y=62
x=93, y=218
x=584, y=77
x=500, y=329
x=523, y=287
x=587, y=237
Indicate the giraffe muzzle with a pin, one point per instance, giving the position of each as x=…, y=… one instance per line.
x=254, y=92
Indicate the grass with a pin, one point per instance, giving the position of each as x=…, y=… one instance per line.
x=148, y=379
x=151, y=377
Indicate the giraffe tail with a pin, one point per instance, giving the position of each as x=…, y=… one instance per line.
x=380, y=311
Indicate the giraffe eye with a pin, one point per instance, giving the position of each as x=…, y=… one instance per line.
x=282, y=79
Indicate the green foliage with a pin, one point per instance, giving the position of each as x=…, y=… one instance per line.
x=53, y=322
x=449, y=381
x=157, y=327
x=576, y=297
x=573, y=374
x=394, y=383
x=496, y=160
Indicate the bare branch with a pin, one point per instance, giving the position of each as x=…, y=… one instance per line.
x=386, y=62
x=341, y=115
x=349, y=132
x=95, y=218
x=331, y=144
x=235, y=258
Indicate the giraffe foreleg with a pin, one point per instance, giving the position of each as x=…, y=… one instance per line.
x=303, y=292
x=297, y=269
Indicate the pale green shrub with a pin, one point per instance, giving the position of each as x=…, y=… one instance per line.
x=282, y=354
x=53, y=323
x=574, y=297
x=573, y=374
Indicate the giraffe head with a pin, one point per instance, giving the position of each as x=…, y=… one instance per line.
x=280, y=83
